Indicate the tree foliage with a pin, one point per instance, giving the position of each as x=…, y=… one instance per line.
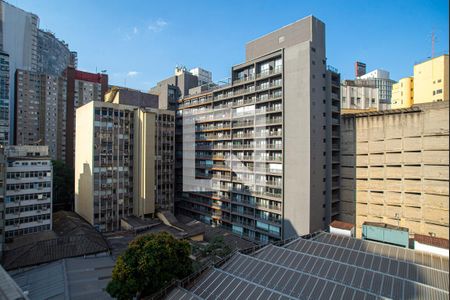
x=63, y=186
x=150, y=263
x=217, y=247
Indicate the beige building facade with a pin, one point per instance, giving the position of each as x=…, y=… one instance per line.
x=118, y=162
x=395, y=168
x=431, y=80
x=403, y=93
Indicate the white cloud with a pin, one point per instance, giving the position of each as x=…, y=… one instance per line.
x=135, y=30
x=158, y=25
x=132, y=73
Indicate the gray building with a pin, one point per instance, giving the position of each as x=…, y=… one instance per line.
x=174, y=88
x=4, y=98
x=54, y=55
x=40, y=117
x=28, y=190
x=18, y=38
x=268, y=141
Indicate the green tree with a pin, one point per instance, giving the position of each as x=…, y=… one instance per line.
x=63, y=186
x=217, y=247
x=149, y=264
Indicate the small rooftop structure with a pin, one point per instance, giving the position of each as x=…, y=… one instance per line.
x=342, y=228
x=320, y=266
x=431, y=244
x=137, y=224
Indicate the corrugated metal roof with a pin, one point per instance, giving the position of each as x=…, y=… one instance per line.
x=74, y=278
x=324, y=266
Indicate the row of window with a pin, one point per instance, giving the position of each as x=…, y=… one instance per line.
x=29, y=219
x=30, y=185
x=25, y=197
x=27, y=208
x=30, y=174
x=19, y=232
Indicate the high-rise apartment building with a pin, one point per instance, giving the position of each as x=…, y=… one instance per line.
x=259, y=156
x=124, y=162
x=2, y=198
x=54, y=55
x=403, y=93
x=395, y=168
x=431, y=80
x=382, y=81
x=45, y=108
x=4, y=98
x=359, y=94
x=28, y=190
x=40, y=116
x=18, y=38
x=82, y=87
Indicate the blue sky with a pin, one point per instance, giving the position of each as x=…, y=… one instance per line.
x=142, y=41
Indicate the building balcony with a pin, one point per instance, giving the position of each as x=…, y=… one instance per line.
x=274, y=71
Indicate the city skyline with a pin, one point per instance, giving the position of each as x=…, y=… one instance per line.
x=157, y=40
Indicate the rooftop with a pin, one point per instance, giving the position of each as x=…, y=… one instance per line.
x=71, y=237
x=341, y=225
x=432, y=241
x=73, y=278
x=322, y=266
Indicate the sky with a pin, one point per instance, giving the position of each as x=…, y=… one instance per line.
x=140, y=42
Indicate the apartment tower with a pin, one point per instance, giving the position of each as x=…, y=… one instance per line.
x=266, y=142
x=124, y=162
x=28, y=190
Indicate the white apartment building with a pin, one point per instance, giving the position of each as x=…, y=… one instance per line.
x=359, y=94
x=28, y=191
x=382, y=81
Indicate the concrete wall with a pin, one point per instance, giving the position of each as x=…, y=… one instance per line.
x=395, y=169
x=144, y=163
x=84, y=156
x=289, y=35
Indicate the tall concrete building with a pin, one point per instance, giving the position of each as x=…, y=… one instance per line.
x=4, y=98
x=40, y=111
x=382, y=81
x=2, y=198
x=124, y=162
x=19, y=39
x=395, y=168
x=54, y=55
x=267, y=143
x=28, y=191
x=403, y=93
x=359, y=94
x=45, y=108
x=82, y=87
